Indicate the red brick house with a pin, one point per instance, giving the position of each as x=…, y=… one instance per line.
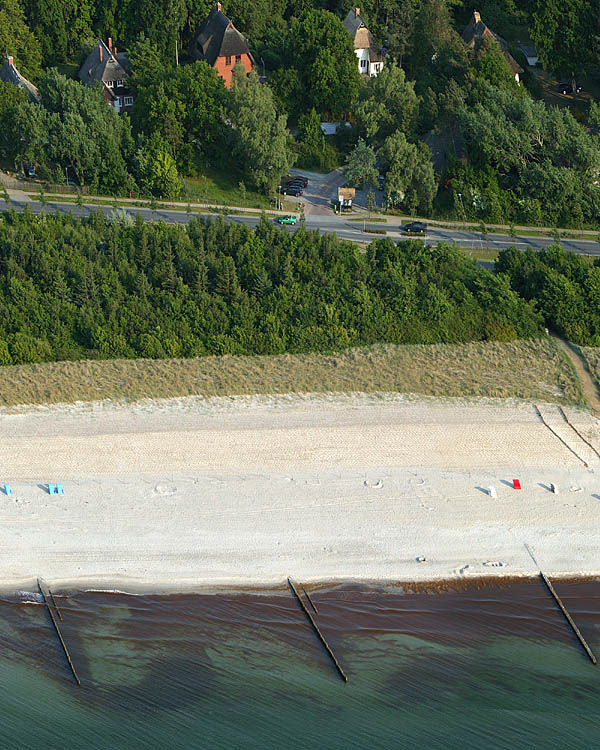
x=221, y=45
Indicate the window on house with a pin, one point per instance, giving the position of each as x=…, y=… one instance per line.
x=128, y=101
x=119, y=84
x=238, y=58
x=110, y=84
x=228, y=60
x=363, y=63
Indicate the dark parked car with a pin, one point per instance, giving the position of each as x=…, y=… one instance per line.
x=29, y=171
x=567, y=88
x=381, y=182
x=294, y=190
x=302, y=180
x=415, y=227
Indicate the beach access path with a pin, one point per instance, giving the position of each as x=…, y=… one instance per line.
x=184, y=493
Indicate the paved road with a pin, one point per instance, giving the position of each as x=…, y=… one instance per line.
x=338, y=225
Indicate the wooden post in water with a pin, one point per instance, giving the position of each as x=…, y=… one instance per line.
x=318, y=632
x=45, y=592
x=58, y=612
x=562, y=607
x=312, y=604
x=568, y=617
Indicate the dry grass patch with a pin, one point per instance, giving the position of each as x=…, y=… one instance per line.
x=591, y=357
x=536, y=369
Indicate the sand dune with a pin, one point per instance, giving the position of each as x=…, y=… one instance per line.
x=189, y=492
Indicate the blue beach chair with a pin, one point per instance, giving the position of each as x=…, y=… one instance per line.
x=51, y=489
x=59, y=489
x=7, y=489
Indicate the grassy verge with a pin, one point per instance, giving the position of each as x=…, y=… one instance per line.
x=371, y=220
x=223, y=187
x=536, y=369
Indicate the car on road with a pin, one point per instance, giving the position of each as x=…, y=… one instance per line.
x=415, y=227
x=290, y=219
x=567, y=88
x=381, y=182
x=302, y=180
x=294, y=190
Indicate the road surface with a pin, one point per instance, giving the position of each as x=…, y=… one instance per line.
x=339, y=225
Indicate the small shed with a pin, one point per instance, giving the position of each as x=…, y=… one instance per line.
x=530, y=54
x=345, y=196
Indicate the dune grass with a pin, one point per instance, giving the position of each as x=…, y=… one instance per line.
x=535, y=369
x=591, y=356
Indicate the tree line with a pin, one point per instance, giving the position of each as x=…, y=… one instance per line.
x=118, y=287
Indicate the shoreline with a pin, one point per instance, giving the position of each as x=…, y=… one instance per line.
x=73, y=587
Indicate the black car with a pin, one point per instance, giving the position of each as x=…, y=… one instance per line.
x=567, y=88
x=415, y=227
x=294, y=190
x=29, y=171
x=299, y=179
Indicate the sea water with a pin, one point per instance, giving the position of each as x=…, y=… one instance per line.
x=488, y=666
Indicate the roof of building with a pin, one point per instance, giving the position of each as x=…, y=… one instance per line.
x=363, y=39
x=528, y=51
x=217, y=37
x=476, y=29
x=10, y=74
x=353, y=22
x=346, y=193
x=103, y=65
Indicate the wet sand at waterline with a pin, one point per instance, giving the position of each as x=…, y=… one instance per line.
x=191, y=492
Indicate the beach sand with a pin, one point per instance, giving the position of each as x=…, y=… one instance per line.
x=187, y=493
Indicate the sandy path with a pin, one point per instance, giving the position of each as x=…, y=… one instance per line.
x=232, y=491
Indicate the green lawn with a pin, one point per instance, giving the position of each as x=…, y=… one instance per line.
x=223, y=187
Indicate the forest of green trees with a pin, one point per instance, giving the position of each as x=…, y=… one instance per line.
x=521, y=160
x=107, y=288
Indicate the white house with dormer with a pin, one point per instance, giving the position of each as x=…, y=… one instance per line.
x=368, y=52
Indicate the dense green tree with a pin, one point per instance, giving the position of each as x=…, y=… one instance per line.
x=257, y=133
x=113, y=288
x=181, y=105
x=16, y=39
x=361, y=169
x=409, y=178
x=559, y=29
x=322, y=53
x=387, y=103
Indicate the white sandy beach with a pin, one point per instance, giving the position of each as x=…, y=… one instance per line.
x=186, y=493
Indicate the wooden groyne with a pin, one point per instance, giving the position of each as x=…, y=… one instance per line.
x=568, y=617
x=318, y=632
x=564, y=442
x=562, y=607
x=312, y=604
x=48, y=599
x=572, y=426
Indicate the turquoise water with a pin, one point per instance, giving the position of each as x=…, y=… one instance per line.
x=488, y=668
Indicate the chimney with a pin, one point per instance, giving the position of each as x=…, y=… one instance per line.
x=219, y=6
x=476, y=16
x=357, y=12
x=9, y=60
x=110, y=44
x=100, y=52
x=115, y=52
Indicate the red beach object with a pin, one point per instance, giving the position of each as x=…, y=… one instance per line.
x=516, y=484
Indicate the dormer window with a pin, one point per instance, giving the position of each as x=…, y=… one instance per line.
x=110, y=84
x=119, y=84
